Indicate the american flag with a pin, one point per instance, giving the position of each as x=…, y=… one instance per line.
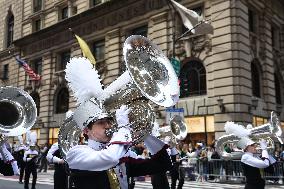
x=28, y=69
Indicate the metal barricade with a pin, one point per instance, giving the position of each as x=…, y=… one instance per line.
x=227, y=170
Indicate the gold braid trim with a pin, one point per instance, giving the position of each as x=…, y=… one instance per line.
x=113, y=180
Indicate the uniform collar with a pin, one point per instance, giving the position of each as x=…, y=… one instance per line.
x=96, y=145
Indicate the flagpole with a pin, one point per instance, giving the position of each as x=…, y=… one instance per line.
x=185, y=33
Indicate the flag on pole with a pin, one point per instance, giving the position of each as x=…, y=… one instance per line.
x=191, y=20
x=28, y=69
x=85, y=49
x=176, y=65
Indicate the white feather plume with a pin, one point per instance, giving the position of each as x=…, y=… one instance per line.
x=20, y=138
x=68, y=114
x=33, y=138
x=236, y=129
x=28, y=134
x=83, y=79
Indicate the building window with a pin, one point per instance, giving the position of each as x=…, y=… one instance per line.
x=198, y=10
x=62, y=101
x=99, y=50
x=275, y=37
x=193, y=79
x=36, y=99
x=37, y=5
x=53, y=135
x=5, y=75
x=74, y=10
x=255, y=79
x=63, y=13
x=10, y=29
x=99, y=53
x=143, y=30
x=37, y=66
x=252, y=21
x=97, y=2
x=278, y=91
x=63, y=59
x=37, y=25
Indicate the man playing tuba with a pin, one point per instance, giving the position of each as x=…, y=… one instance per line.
x=252, y=165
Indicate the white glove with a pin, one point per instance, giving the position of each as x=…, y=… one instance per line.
x=122, y=116
x=122, y=136
x=263, y=144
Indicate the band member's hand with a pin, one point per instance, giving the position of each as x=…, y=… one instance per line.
x=122, y=116
x=122, y=136
x=263, y=144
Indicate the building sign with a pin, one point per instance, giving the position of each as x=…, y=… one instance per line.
x=210, y=124
x=170, y=112
x=200, y=124
x=195, y=124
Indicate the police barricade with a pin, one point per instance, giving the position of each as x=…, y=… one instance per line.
x=220, y=170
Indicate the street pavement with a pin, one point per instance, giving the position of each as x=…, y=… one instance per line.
x=45, y=181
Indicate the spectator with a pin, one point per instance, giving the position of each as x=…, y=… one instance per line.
x=43, y=160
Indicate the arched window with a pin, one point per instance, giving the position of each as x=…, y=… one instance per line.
x=278, y=91
x=36, y=99
x=255, y=79
x=10, y=28
x=62, y=101
x=192, y=79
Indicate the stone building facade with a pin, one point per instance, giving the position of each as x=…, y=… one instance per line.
x=235, y=74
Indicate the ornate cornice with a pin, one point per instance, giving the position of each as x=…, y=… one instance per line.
x=95, y=19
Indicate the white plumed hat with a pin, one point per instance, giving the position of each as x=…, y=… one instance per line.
x=244, y=142
x=241, y=132
x=84, y=80
x=21, y=140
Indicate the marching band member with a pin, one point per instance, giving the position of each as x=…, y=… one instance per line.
x=20, y=151
x=30, y=157
x=60, y=175
x=252, y=165
x=53, y=156
x=93, y=163
x=8, y=165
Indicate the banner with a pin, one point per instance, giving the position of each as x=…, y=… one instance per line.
x=176, y=65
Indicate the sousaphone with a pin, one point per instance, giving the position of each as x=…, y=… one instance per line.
x=17, y=111
x=149, y=77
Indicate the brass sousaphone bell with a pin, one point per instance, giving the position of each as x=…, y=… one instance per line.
x=177, y=130
x=17, y=111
